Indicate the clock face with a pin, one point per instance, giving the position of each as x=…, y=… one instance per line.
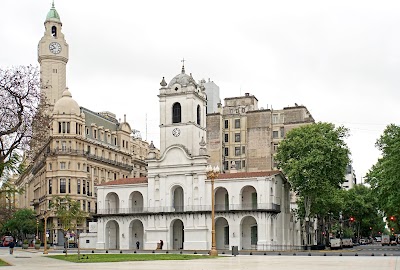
x=176, y=132
x=55, y=47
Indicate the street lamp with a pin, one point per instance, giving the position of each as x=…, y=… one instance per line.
x=212, y=173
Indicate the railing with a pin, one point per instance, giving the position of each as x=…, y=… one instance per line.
x=266, y=207
x=68, y=151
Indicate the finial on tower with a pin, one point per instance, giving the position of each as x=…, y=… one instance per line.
x=183, y=65
x=52, y=4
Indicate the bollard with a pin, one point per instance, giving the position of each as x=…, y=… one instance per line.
x=294, y=254
x=92, y=251
x=309, y=254
x=324, y=254
x=120, y=251
x=106, y=251
x=356, y=254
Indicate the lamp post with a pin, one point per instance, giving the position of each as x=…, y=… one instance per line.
x=37, y=228
x=45, y=215
x=212, y=173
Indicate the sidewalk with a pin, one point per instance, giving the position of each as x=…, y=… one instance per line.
x=35, y=260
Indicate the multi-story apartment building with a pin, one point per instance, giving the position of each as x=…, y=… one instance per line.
x=83, y=149
x=248, y=136
x=350, y=178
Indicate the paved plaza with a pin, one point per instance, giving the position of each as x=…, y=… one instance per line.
x=35, y=260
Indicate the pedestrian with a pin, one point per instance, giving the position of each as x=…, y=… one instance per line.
x=11, y=245
x=137, y=244
x=161, y=244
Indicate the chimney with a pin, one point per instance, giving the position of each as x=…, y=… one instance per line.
x=246, y=94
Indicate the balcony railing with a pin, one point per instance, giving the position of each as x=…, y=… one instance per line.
x=68, y=151
x=266, y=207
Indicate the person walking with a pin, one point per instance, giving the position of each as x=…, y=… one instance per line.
x=161, y=244
x=11, y=245
x=137, y=244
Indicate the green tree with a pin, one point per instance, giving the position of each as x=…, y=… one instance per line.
x=314, y=158
x=384, y=176
x=361, y=204
x=69, y=214
x=22, y=222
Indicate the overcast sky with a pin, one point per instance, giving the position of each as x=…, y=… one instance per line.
x=341, y=59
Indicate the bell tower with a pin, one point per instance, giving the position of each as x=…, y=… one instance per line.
x=53, y=58
x=183, y=114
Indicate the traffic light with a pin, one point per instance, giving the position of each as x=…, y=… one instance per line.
x=352, y=219
x=392, y=218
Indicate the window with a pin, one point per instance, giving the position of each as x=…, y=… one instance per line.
x=238, y=164
x=243, y=163
x=243, y=149
x=50, y=166
x=282, y=130
x=198, y=114
x=226, y=165
x=69, y=186
x=226, y=151
x=237, y=137
x=68, y=127
x=95, y=134
x=88, y=169
x=176, y=113
x=237, y=151
x=275, y=134
x=275, y=118
x=54, y=31
x=64, y=146
x=87, y=185
x=63, y=185
x=237, y=123
x=226, y=123
x=62, y=165
x=50, y=186
x=226, y=137
x=84, y=188
x=88, y=206
x=87, y=131
x=84, y=205
x=79, y=166
x=78, y=187
x=275, y=147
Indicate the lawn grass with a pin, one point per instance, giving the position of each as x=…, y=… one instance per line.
x=93, y=258
x=3, y=263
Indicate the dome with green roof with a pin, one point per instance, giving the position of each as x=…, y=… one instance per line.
x=52, y=15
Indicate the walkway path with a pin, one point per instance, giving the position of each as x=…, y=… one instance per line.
x=35, y=260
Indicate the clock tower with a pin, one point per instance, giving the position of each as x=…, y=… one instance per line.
x=182, y=114
x=53, y=58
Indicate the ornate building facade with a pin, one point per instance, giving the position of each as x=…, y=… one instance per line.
x=84, y=148
x=173, y=203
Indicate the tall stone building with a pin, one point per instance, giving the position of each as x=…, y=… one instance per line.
x=247, y=136
x=83, y=149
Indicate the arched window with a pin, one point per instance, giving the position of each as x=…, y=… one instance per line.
x=54, y=31
x=176, y=113
x=198, y=114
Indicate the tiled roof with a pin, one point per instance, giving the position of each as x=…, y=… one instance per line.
x=247, y=174
x=125, y=181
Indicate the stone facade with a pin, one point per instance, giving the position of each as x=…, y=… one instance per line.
x=248, y=135
x=84, y=148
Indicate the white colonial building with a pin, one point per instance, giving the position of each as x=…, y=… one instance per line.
x=173, y=203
